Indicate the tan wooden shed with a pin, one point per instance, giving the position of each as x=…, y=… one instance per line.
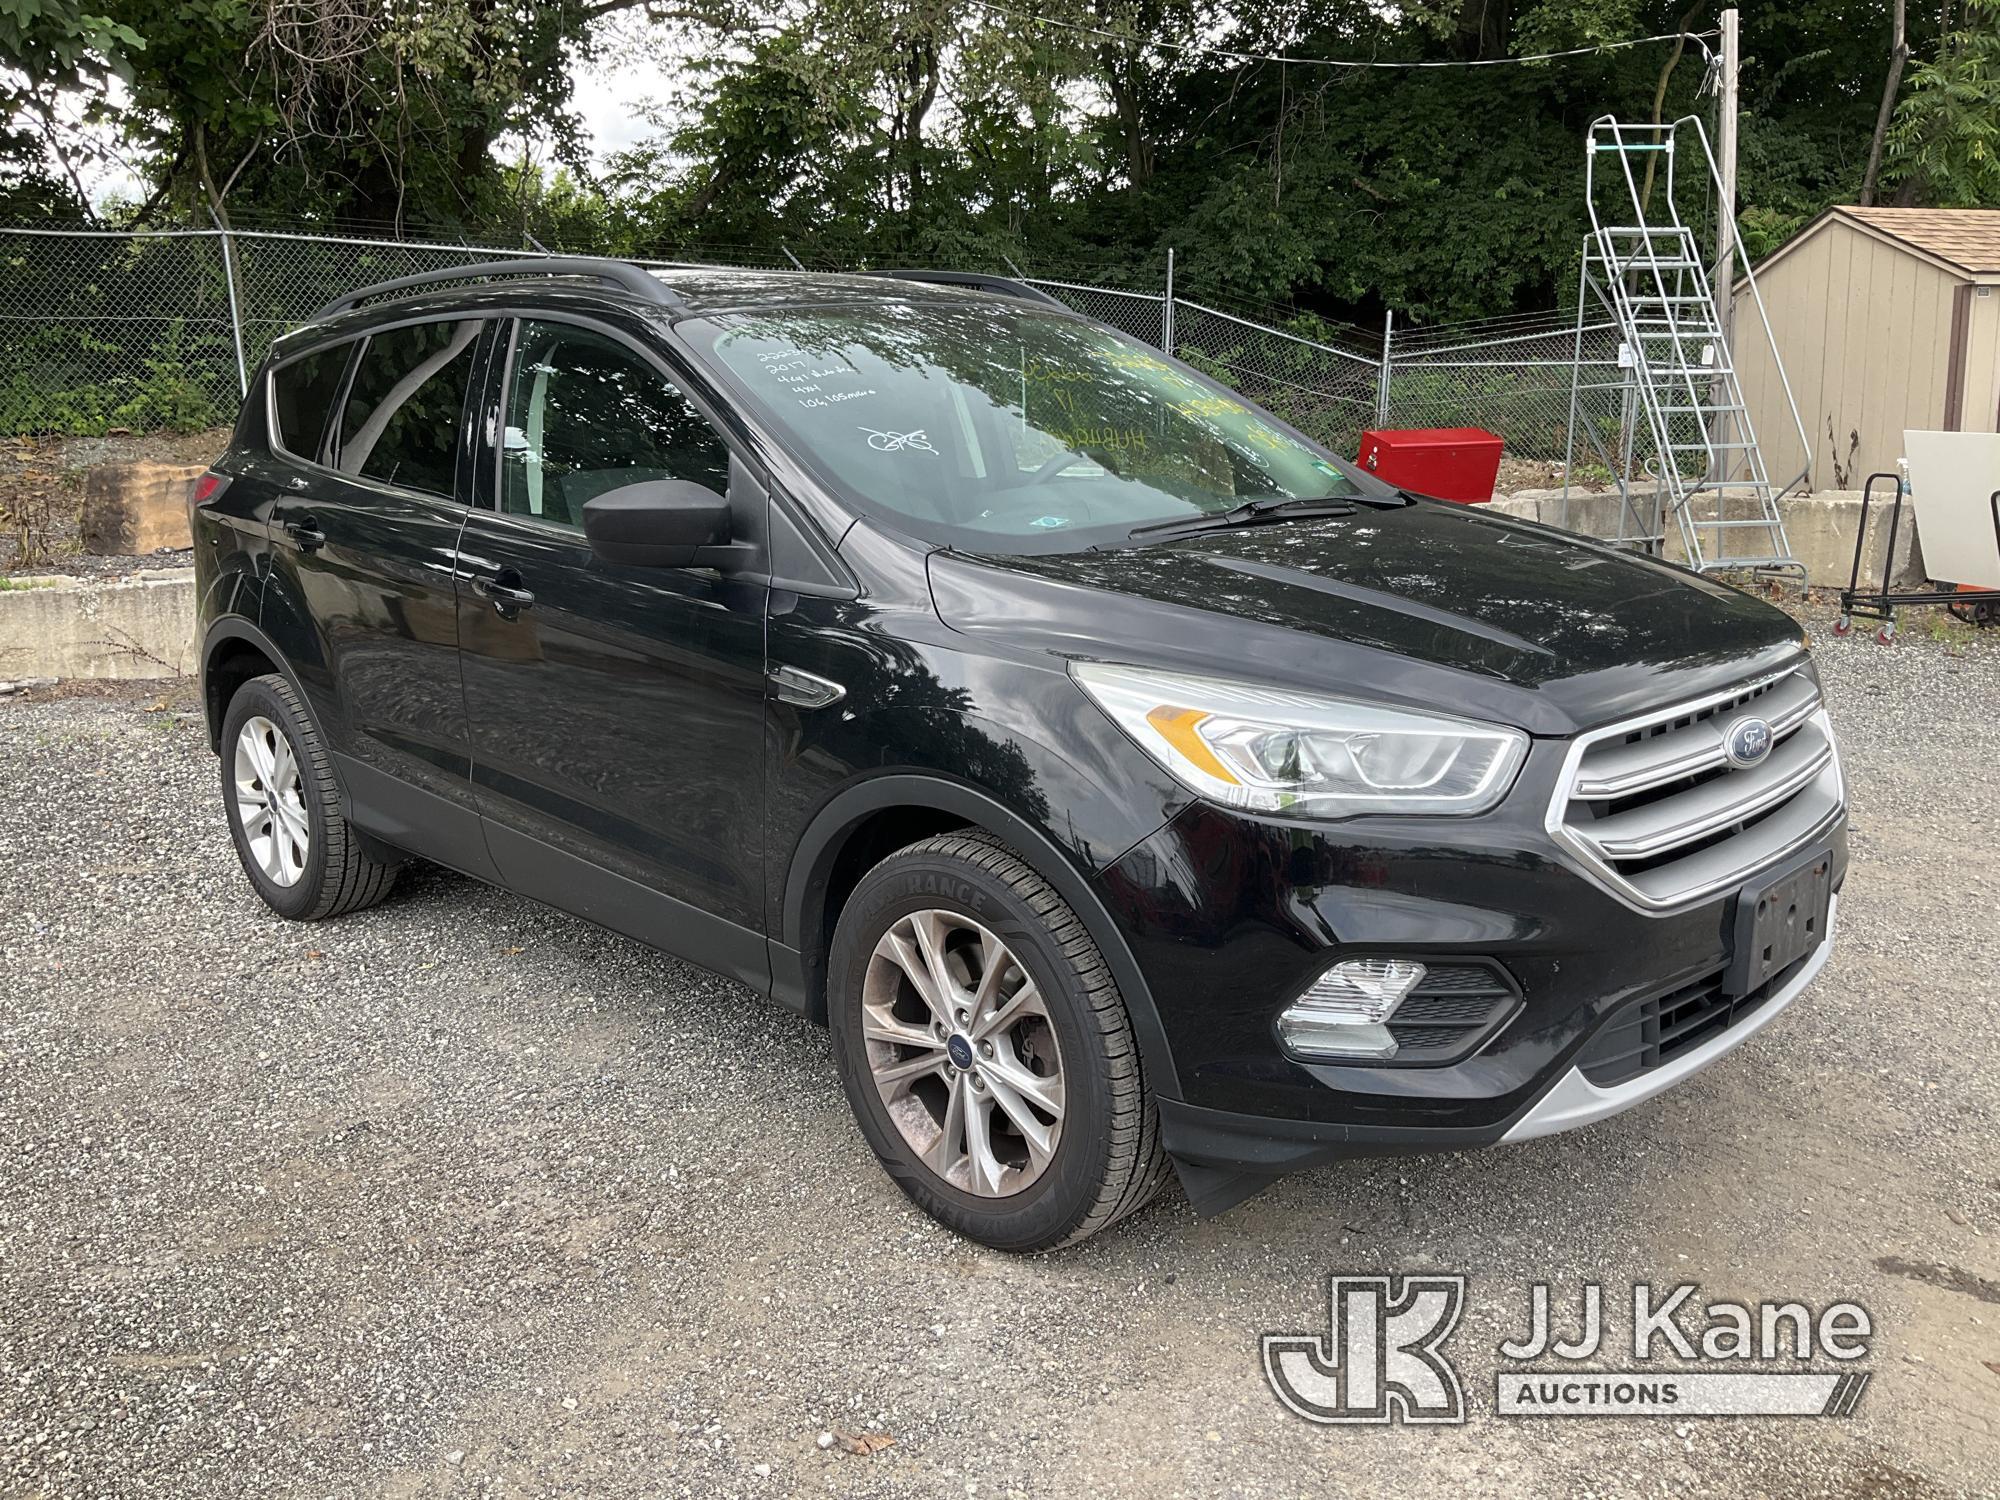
x=1887, y=318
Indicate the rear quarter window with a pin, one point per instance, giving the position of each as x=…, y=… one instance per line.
x=399, y=423
x=302, y=397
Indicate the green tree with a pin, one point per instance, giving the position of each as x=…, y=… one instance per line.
x=50, y=49
x=1944, y=147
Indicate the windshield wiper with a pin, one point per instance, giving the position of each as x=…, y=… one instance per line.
x=1249, y=513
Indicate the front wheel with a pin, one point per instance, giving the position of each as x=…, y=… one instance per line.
x=986, y=1051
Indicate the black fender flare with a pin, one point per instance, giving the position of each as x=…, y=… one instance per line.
x=236, y=628
x=813, y=858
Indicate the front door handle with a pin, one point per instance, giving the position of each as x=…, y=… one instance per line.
x=305, y=533
x=504, y=591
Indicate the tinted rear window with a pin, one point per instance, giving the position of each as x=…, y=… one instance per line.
x=400, y=422
x=302, y=395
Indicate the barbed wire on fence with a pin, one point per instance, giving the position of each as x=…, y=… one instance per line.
x=139, y=329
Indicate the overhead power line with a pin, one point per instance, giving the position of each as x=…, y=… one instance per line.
x=1699, y=38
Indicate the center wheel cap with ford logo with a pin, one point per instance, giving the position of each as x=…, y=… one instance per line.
x=959, y=1050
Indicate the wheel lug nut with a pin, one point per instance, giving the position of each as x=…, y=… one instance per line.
x=985, y=1049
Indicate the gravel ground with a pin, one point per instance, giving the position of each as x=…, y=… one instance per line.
x=460, y=1196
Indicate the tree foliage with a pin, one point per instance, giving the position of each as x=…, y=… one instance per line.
x=1945, y=143
x=1084, y=134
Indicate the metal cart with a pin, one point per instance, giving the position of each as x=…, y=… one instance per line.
x=1976, y=606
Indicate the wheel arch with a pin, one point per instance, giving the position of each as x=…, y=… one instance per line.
x=866, y=822
x=233, y=652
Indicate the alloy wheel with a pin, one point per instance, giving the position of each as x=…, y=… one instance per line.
x=270, y=801
x=963, y=1053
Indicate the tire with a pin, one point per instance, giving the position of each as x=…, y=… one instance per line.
x=330, y=873
x=1100, y=1158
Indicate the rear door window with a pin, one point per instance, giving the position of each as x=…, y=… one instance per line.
x=302, y=397
x=400, y=421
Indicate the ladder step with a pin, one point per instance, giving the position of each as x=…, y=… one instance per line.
x=1729, y=525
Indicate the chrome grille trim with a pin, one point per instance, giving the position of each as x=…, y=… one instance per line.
x=1620, y=770
x=1792, y=797
x=1671, y=823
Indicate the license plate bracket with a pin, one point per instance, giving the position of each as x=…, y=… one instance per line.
x=1779, y=920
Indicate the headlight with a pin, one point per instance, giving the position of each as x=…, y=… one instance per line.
x=1274, y=750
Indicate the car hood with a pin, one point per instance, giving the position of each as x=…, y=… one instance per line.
x=1428, y=604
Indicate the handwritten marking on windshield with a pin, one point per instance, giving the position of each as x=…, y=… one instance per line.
x=896, y=442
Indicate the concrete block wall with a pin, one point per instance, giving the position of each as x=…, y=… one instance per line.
x=1820, y=527
x=141, y=626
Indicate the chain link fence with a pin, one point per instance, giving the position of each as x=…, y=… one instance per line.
x=1525, y=378
x=107, y=329
x=103, y=331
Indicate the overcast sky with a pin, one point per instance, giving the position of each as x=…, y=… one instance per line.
x=611, y=96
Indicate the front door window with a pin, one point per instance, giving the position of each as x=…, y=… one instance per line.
x=585, y=415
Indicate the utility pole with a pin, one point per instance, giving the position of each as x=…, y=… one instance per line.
x=1725, y=160
x=1724, y=424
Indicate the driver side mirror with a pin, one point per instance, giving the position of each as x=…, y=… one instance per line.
x=657, y=523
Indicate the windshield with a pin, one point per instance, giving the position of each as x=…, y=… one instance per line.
x=1001, y=428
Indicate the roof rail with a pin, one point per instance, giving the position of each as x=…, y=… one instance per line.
x=978, y=281
x=619, y=273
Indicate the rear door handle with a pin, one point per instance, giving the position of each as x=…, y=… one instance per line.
x=504, y=591
x=304, y=530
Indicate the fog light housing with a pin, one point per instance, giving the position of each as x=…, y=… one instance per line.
x=1344, y=1014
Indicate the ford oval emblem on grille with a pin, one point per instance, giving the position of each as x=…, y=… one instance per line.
x=1747, y=743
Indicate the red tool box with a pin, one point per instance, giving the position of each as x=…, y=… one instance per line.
x=1446, y=463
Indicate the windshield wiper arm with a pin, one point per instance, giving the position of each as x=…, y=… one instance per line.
x=1249, y=513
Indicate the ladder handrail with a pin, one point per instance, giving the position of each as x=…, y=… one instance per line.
x=1660, y=291
x=1682, y=238
x=1756, y=296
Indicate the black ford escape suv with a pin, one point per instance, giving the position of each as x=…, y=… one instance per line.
x=1125, y=780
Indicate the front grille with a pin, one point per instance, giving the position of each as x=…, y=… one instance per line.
x=1643, y=1036
x=1453, y=1007
x=1656, y=811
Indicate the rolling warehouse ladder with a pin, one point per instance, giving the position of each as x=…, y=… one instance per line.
x=1682, y=426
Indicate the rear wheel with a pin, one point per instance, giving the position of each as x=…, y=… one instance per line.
x=284, y=809
x=985, y=1048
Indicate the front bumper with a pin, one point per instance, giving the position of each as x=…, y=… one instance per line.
x=1575, y=1100
x=1224, y=1157
x=1230, y=916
